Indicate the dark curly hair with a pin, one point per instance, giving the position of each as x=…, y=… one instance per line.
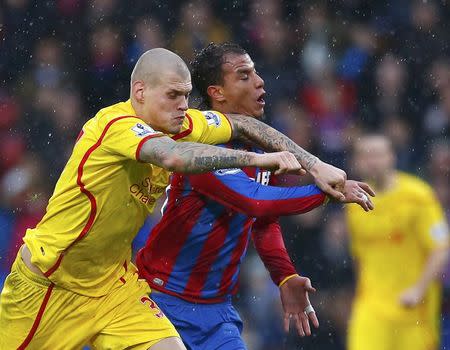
x=206, y=67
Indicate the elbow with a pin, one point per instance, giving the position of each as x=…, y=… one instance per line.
x=253, y=208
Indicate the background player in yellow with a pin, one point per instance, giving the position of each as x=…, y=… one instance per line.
x=72, y=281
x=399, y=250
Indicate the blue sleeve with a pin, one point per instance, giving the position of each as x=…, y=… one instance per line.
x=233, y=188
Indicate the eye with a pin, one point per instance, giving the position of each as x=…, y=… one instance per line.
x=244, y=77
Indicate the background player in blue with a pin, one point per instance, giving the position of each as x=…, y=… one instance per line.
x=195, y=266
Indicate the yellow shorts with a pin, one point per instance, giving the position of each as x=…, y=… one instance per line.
x=366, y=332
x=36, y=314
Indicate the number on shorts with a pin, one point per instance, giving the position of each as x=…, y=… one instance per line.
x=152, y=306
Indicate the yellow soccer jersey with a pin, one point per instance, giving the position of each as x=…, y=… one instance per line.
x=104, y=194
x=391, y=245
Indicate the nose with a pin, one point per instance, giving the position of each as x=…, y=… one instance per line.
x=184, y=104
x=259, y=82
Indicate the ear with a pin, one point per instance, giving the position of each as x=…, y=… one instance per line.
x=215, y=92
x=137, y=89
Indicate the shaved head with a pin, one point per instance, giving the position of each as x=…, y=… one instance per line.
x=160, y=88
x=155, y=64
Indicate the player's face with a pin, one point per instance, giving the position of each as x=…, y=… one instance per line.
x=243, y=88
x=165, y=104
x=374, y=158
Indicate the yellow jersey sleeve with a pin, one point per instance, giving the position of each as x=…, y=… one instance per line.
x=209, y=127
x=126, y=135
x=431, y=225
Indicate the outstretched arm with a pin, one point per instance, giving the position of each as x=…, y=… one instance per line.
x=234, y=189
x=329, y=178
x=294, y=289
x=191, y=157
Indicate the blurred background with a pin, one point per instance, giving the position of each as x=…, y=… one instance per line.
x=332, y=69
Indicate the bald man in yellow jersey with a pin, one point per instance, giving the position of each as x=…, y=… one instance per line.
x=72, y=282
x=400, y=250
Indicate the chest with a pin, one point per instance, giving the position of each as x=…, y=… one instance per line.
x=147, y=182
x=393, y=221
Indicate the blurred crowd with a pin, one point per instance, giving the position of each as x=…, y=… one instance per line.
x=332, y=70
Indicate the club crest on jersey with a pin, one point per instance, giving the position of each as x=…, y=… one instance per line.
x=143, y=130
x=439, y=231
x=212, y=118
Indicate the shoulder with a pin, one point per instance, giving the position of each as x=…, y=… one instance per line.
x=416, y=188
x=115, y=113
x=205, y=117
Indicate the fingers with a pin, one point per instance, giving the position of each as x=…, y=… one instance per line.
x=305, y=324
x=332, y=192
x=309, y=287
x=302, y=323
x=363, y=201
x=288, y=164
x=313, y=318
x=366, y=188
x=286, y=321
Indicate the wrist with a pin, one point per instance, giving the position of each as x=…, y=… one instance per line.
x=256, y=159
x=313, y=166
x=287, y=279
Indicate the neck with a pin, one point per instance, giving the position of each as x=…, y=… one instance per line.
x=221, y=107
x=385, y=181
x=139, y=111
x=137, y=107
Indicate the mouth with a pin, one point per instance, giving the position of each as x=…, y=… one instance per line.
x=179, y=120
x=260, y=100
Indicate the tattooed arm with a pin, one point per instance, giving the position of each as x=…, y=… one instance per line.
x=330, y=179
x=191, y=157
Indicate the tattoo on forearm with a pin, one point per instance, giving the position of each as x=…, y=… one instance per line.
x=269, y=139
x=214, y=161
x=193, y=157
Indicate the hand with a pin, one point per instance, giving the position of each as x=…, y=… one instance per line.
x=329, y=179
x=294, y=298
x=411, y=297
x=358, y=192
x=282, y=162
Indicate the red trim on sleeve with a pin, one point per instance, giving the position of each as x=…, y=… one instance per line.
x=38, y=318
x=138, y=149
x=185, y=132
x=90, y=196
x=79, y=135
x=58, y=262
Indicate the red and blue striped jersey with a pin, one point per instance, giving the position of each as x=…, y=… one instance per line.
x=195, y=251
